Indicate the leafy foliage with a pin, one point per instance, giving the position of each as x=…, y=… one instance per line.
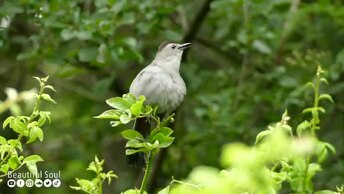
x=94, y=186
x=12, y=157
x=129, y=108
x=278, y=156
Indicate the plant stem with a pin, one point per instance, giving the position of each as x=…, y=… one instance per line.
x=32, y=116
x=315, y=121
x=150, y=157
x=316, y=103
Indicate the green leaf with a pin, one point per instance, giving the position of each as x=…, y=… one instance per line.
x=32, y=125
x=41, y=121
x=115, y=123
x=130, y=134
x=109, y=175
x=326, y=97
x=310, y=84
x=32, y=167
x=261, y=135
x=133, y=151
x=14, y=162
x=48, y=98
x=4, y=168
x=31, y=161
x=85, y=185
x=133, y=191
x=136, y=108
x=33, y=158
x=18, y=126
x=152, y=146
x=88, y=54
x=45, y=114
x=325, y=192
x=149, y=109
x=45, y=79
x=165, y=190
x=261, y=46
x=15, y=143
x=67, y=34
x=7, y=121
x=302, y=127
x=133, y=143
x=307, y=110
x=110, y=114
x=125, y=119
x=164, y=141
x=130, y=98
x=166, y=131
x=35, y=132
x=321, y=152
x=50, y=87
x=2, y=140
x=37, y=78
x=313, y=168
x=84, y=35
x=330, y=147
x=234, y=153
x=119, y=103
x=321, y=109
x=324, y=80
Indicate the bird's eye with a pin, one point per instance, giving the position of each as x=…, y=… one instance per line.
x=173, y=46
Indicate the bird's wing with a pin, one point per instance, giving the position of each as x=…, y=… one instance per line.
x=147, y=80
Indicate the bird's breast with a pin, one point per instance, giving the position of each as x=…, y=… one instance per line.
x=165, y=89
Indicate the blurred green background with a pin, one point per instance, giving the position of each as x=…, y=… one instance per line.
x=249, y=61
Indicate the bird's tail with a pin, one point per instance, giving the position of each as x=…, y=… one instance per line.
x=138, y=159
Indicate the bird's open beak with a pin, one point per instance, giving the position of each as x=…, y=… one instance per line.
x=184, y=46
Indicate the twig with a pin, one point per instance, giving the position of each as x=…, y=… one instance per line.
x=188, y=37
x=196, y=24
x=245, y=60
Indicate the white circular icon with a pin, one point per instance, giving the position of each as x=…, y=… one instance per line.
x=11, y=183
x=56, y=182
x=20, y=183
x=29, y=183
x=38, y=182
x=47, y=182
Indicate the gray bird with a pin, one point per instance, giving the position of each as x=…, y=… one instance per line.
x=161, y=84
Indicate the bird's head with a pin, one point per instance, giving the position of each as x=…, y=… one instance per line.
x=170, y=50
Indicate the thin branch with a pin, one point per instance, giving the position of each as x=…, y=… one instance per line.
x=245, y=61
x=188, y=37
x=196, y=24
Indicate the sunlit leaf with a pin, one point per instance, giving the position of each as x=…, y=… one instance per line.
x=48, y=98
x=118, y=103
x=131, y=134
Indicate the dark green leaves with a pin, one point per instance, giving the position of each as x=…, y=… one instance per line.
x=88, y=54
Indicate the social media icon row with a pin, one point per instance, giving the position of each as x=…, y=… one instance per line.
x=30, y=183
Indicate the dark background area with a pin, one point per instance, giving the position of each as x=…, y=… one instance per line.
x=249, y=61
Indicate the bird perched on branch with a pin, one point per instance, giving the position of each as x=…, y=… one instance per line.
x=161, y=84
